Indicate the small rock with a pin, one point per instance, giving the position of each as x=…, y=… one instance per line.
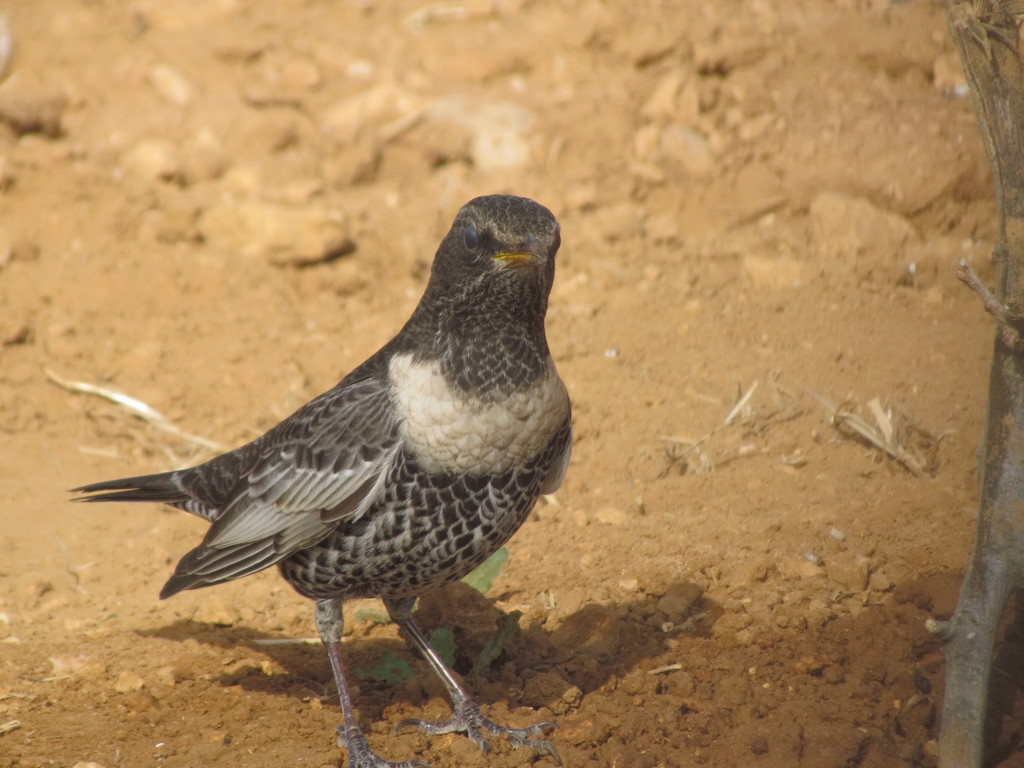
x=84, y=667
x=280, y=77
x=128, y=681
x=205, y=158
x=618, y=221
x=645, y=141
x=722, y=56
x=172, y=86
x=579, y=197
x=213, y=610
x=611, y=516
x=29, y=105
x=879, y=582
x=679, y=600
x=501, y=137
x=730, y=624
x=662, y=101
x=663, y=227
x=856, y=235
x=89, y=764
x=754, y=570
x=794, y=567
x=152, y=159
x=16, y=335
x=284, y=235
x=165, y=676
x=549, y=689
x=851, y=576
x=775, y=272
x=352, y=117
x=689, y=148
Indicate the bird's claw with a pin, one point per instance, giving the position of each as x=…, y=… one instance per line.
x=361, y=756
x=471, y=721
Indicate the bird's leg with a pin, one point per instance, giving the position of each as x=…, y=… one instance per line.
x=330, y=623
x=468, y=719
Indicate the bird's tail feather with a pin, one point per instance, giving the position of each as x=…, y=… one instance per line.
x=155, y=488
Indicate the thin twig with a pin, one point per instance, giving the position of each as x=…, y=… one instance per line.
x=663, y=670
x=287, y=641
x=138, y=408
x=735, y=412
x=9, y=726
x=965, y=272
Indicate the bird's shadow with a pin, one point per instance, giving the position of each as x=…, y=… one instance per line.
x=585, y=649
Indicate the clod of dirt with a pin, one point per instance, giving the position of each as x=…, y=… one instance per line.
x=30, y=105
x=281, y=234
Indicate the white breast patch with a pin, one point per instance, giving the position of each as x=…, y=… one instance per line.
x=448, y=431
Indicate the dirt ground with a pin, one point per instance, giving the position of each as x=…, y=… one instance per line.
x=220, y=207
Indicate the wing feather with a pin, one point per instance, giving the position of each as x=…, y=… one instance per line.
x=321, y=466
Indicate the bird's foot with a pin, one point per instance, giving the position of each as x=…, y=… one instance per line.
x=469, y=719
x=361, y=756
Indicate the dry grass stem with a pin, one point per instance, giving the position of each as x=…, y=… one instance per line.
x=9, y=726
x=744, y=420
x=893, y=433
x=137, y=407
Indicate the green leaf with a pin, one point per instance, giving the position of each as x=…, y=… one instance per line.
x=389, y=669
x=484, y=576
x=442, y=640
x=374, y=615
x=497, y=644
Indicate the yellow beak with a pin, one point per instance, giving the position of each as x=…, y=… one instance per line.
x=517, y=258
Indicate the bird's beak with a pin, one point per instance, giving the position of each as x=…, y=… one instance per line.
x=518, y=258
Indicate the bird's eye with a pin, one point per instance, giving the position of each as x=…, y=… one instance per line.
x=472, y=237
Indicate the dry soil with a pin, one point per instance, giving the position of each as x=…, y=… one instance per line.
x=219, y=207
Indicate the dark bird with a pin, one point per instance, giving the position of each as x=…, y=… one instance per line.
x=410, y=472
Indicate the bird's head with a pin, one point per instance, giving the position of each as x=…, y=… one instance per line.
x=498, y=244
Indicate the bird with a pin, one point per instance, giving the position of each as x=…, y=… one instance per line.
x=410, y=472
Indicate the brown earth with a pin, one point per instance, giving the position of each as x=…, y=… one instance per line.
x=220, y=207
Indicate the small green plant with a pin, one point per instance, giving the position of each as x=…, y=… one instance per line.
x=487, y=572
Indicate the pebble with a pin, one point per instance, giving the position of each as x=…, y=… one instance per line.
x=727, y=53
x=550, y=689
x=152, y=160
x=775, y=272
x=205, y=158
x=128, y=681
x=850, y=231
x=213, y=610
x=171, y=85
x=349, y=118
x=794, y=567
x=852, y=576
x=165, y=676
x=30, y=105
x=284, y=235
x=689, y=148
x=281, y=78
x=879, y=582
x=678, y=601
x=617, y=222
x=662, y=101
x=502, y=143
x=611, y=516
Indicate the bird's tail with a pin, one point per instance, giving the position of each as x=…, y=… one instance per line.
x=157, y=488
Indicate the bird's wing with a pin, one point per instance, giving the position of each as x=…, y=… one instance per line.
x=324, y=464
